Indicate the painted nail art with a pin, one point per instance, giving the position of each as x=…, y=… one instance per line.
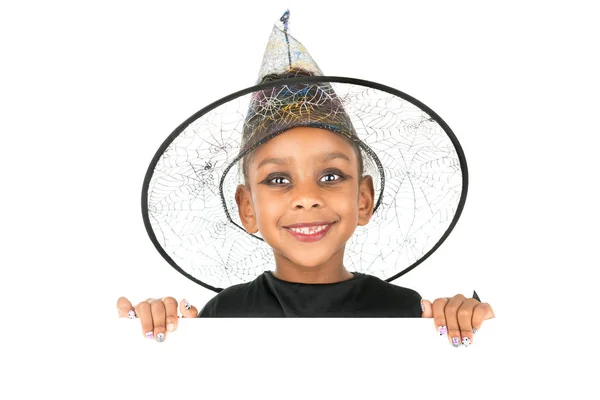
x=187, y=305
x=442, y=330
x=171, y=327
x=422, y=307
x=131, y=314
x=466, y=341
x=149, y=335
x=160, y=337
x=474, y=331
x=455, y=342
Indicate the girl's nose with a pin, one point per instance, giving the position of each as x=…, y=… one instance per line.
x=307, y=196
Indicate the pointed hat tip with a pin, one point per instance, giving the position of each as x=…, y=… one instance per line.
x=284, y=53
x=284, y=19
x=286, y=16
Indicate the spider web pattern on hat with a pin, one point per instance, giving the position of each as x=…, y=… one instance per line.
x=419, y=171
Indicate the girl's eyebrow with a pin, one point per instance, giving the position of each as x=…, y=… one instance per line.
x=333, y=155
x=278, y=161
x=325, y=157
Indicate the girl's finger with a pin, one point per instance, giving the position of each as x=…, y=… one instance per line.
x=125, y=308
x=451, y=313
x=187, y=310
x=465, y=314
x=439, y=318
x=171, y=313
x=489, y=312
x=144, y=313
x=159, y=318
x=427, y=309
x=482, y=312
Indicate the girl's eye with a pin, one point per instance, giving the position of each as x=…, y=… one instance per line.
x=279, y=180
x=330, y=178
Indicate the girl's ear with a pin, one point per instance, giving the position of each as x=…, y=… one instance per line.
x=366, y=200
x=246, y=209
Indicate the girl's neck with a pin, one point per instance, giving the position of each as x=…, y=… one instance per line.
x=308, y=276
x=331, y=272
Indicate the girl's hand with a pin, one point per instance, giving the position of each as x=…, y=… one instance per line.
x=459, y=317
x=156, y=315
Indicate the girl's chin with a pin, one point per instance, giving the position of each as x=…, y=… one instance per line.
x=312, y=263
x=303, y=262
x=308, y=258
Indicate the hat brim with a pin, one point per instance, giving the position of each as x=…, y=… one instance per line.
x=190, y=215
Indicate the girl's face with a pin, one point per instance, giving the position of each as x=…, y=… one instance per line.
x=305, y=197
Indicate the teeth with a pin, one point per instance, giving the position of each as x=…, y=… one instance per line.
x=309, y=230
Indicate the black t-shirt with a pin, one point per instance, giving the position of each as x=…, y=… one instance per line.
x=361, y=296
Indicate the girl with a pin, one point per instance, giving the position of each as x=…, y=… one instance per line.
x=307, y=180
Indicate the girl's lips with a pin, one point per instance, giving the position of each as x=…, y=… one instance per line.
x=309, y=224
x=303, y=237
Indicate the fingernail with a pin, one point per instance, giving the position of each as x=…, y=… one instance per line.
x=474, y=331
x=466, y=341
x=455, y=342
x=422, y=307
x=442, y=330
x=131, y=314
x=171, y=327
x=187, y=305
x=149, y=335
x=160, y=337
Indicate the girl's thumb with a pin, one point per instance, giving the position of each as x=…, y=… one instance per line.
x=427, y=309
x=187, y=310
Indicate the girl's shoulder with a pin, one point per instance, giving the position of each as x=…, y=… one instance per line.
x=388, y=287
x=233, y=299
x=376, y=290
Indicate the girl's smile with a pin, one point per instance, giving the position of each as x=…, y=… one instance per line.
x=309, y=232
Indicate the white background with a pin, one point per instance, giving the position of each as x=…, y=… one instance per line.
x=89, y=91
